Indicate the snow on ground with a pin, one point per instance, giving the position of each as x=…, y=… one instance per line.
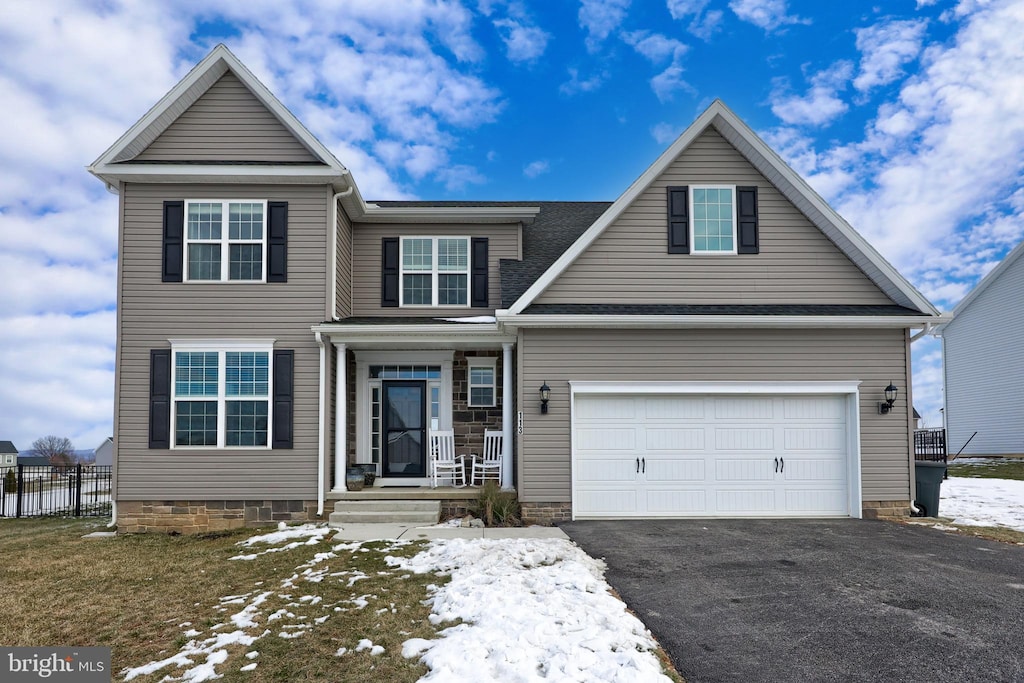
x=533, y=609
x=983, y=502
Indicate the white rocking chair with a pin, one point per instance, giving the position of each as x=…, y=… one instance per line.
x=444, y=466
x=488, y=466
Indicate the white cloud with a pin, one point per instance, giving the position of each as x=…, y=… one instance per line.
x=577, y=84
x=885, y=48
x=821, y=104
x=524, y=43
x=456, y=178
x=657, y=48
x=925, y=3
x=536, y=168
x=703, y=24
x=669, y=82
x=665, y=132
x=767, y=14
x=599, y=18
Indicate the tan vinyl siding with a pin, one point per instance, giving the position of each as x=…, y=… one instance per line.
x=153, y=311
x=629, y=263
x=503, y=242
x=343, y=265
x=227, y=123
x=873, y=357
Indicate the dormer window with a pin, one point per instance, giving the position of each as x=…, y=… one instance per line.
x=712, y=219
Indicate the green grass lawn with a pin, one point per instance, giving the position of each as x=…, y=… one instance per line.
x=992, y=468
x=134, y=593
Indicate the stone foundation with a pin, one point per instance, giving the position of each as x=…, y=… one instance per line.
x=201, y=516
x=546, y=514
x=885, y=509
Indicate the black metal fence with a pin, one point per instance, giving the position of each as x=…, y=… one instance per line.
x=55, y=490
x=930, y=444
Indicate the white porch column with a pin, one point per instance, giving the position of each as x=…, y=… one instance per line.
x=340, y=413
x=506, y=416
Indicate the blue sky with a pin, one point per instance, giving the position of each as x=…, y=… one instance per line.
x=907, y=115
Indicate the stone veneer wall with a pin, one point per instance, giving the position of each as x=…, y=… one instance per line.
x=546, y=513
x=885, y=509
x=201, y=516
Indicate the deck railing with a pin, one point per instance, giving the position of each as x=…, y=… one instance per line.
x=930, y=444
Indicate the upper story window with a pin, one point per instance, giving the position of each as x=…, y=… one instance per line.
x=221, y=396
x=225, y=241
x=714, y=220
x=434, y=271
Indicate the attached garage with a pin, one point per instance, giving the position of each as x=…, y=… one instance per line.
x=715, y=450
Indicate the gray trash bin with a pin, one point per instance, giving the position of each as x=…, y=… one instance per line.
x=928, y=477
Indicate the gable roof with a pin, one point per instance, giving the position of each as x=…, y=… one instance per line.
x=116, y=163
x=791, y=185
x=989, y=278
x=7, y=447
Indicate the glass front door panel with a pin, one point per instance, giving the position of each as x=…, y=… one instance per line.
x=405, y=430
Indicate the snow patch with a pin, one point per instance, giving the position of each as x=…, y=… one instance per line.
x=983, y=502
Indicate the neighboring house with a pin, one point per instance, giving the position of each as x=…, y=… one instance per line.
x=716, y=341
x=103, y=456
x=33, y=460
x=8, y=455
x=983, y=365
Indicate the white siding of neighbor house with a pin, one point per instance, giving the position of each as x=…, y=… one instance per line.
x=558, y=356
x=151, y=312
x=983, y=350
x=629, y=263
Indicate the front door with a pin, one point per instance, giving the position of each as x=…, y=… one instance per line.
x=405, y=428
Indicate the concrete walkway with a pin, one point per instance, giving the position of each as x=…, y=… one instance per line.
x=410, y=532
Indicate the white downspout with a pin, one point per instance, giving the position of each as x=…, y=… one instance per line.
x=926, y=330
x=113, y=514
x=340, y=424
x=320, y=432
x=506, y=416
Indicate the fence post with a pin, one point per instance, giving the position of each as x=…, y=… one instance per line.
x=78, y=490
x=21, y=478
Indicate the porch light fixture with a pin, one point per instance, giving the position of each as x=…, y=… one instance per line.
x=545, y=394
x=890, y=398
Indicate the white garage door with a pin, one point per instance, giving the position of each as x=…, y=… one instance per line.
x=698, y=455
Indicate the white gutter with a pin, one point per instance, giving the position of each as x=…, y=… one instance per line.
x=927, y=329
x=333, y=230
x=321, y=456
x=719, y=321
x=448, y=214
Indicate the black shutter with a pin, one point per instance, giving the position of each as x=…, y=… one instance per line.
x=277, y=241
x=389, y=272
x=678, y=220
x=160, y=398
x=174, y=240
x=746, y=220
x=284, y=398
x=478, y=268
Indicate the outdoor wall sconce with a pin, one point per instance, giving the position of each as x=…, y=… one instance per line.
x=885, y=407
x=545, y=394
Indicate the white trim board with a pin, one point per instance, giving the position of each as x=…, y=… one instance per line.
x=769, y=164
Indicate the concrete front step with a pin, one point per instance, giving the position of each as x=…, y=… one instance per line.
x=385, y=511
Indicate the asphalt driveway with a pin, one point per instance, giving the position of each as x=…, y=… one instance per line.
x=836, y=600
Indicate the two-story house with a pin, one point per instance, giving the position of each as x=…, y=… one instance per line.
x=8, y=456
x=716, y=341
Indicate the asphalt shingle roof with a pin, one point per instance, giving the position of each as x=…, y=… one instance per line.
x=7, y=447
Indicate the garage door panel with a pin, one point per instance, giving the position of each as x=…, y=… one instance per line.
x=674, y=439
x=600, y=502
x=745, y=501
x=674, y=408
x=744, y=408
x=606, y=408
x=737, y=470
x=597, y=439
x=674, y=470
x=814, y=408
x=741, y=439
x=815, y=439
x=677, y=501
x=830, y=501
x=606, y=469
x=814, y=469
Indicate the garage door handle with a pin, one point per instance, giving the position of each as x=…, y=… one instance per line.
x=645, y=465
x=782, y=462
x=776, y=465
x=638, y=465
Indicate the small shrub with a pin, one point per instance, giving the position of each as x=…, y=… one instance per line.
x=497, y=507
x=10, y=482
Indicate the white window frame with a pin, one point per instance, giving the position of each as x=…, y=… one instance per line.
x=491, y=363
x=221, y=347
x=434, y=272
x=224, y=242
x=693, y=218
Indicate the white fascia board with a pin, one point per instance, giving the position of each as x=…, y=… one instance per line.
x=616, y=209
x=719, y=321
x=989, y=278
x=199, y=173
x=219, y=58
x=451, y=333
x=627, y=387
x=448, y=214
